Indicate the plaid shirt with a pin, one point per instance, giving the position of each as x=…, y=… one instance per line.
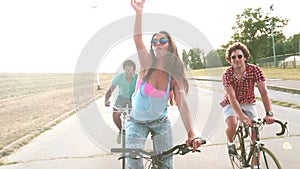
x=244, y=88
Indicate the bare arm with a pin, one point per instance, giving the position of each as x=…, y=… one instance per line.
x=108, y=94
x=144, y=56
x=262, y=88
x=186, y=116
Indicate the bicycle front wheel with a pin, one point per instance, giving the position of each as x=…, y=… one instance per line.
x=267, y=160
x=236, y=162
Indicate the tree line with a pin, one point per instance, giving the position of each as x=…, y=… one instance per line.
x=256, y=29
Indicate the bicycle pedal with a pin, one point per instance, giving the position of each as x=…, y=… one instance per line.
x=232, y=155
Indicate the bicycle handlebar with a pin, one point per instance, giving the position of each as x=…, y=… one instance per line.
x=282, y=125
x=134, y=153
x=182, y=149
x=122, y=109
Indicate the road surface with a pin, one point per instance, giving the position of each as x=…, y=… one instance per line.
x=83, y=140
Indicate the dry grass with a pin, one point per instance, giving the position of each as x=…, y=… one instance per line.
x=208, y=72
x=270, y=73
x=29, y=101
x=287, y=74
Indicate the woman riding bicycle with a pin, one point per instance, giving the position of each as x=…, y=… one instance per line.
x=161, y=79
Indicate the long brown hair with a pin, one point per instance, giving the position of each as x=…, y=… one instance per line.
x=174, y=66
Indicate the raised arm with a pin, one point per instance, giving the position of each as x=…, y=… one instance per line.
x=144, y=56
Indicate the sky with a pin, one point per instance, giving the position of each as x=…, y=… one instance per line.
x=46, y=36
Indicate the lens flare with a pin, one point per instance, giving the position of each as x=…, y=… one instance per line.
x=287, y=146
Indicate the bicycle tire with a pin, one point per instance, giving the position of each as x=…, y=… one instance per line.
x=237, y=161
x=267, y=159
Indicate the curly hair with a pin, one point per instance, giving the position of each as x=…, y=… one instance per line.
x=237, y=46
x=129, y=63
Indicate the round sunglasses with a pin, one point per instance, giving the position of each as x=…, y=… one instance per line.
x=161, y=41
x=234, y=56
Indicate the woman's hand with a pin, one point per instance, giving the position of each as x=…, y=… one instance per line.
x=193, y=141
x=107, y=103
x=137, y=6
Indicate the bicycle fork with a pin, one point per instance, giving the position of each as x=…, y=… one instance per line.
x=123, y=133
x=242, y=147
x=255, y=150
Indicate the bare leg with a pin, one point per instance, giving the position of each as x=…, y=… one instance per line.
x=117, y=119
x=232, y=123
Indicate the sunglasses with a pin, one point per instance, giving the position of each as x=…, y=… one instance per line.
x=162, y=41
x=238, y=56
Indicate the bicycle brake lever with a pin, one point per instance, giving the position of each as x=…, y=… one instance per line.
x=198, y=151
x=120, y=158
x=287, y=129
x=184, y=151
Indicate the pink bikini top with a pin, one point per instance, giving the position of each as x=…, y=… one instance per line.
x=150, y=90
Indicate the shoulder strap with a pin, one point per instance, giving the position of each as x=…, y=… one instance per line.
x=169, y=86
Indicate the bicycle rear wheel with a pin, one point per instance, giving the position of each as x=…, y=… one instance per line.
x=237, y=160
x=267, y=159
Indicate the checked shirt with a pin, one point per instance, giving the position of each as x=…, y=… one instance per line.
x=244, y=88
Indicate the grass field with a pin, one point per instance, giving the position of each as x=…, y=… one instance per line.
x=270, y=73
x=29, y=101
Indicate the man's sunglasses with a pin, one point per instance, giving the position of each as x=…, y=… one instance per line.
x=238, y=56
x=162, y=41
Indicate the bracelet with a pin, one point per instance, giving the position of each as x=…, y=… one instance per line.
x=195, y=139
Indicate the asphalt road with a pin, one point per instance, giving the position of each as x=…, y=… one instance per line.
x=83, y=141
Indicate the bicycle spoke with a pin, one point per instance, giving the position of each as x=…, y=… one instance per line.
x=236, y=162
x=267, y=160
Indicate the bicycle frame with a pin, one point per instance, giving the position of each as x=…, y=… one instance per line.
x=125, y=113
x=254, y=147
x=246, y=160
x=241, y=136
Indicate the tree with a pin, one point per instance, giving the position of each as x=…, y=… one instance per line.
x=192, y=59
x=222, y=53
x=185, y=58
x=196, y=55
x=293, y=43
x=254, y=29
x=216, y=58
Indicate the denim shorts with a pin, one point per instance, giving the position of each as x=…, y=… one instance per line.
x=250, y=110
x=161, y=134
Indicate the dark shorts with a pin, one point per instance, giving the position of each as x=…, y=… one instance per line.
x=122, y=102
